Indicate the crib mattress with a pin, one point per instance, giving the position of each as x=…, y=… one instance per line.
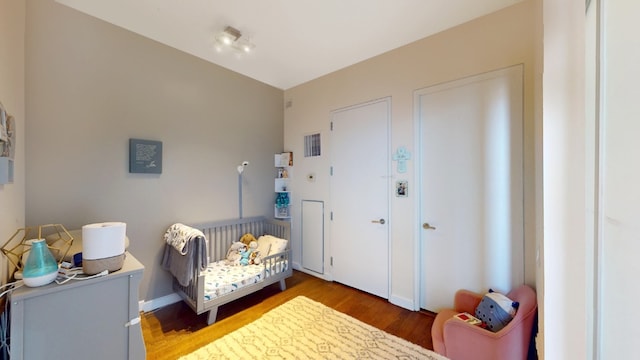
x=221, y=278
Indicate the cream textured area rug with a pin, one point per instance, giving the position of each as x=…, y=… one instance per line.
x=305, y=329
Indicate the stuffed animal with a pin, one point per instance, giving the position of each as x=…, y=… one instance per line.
x=255, y=258
x=245, y=255
x=252, y=246
x=245, y=251
x=233, y=255
x=247, y=239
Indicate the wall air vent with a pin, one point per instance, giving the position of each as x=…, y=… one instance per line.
x=312, y=145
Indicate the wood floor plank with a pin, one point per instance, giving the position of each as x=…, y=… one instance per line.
x=175, y=330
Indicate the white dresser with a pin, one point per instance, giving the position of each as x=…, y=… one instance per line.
x=81, y=319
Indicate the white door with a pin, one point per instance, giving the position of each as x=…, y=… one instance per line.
x=360, y=197
x=471, y=194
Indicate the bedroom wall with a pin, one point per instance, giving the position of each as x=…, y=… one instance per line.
x=12, y=198
x=91, y=86
x=563, y=301
x=495, y=41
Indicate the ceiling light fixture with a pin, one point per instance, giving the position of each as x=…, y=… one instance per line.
x=232, y=38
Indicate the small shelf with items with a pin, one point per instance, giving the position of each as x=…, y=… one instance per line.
x=283, y=163
x=282, y=206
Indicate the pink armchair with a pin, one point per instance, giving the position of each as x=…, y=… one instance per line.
x=458, y=340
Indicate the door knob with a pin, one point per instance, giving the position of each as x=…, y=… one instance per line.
x=381, y=221
x=426, y=226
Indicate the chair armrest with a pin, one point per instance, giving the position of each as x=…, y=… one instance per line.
x=466, y=301
x=466, y=341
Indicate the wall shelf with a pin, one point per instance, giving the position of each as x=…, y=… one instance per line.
x=283, y=163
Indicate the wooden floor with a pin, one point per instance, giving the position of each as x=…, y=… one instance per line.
x=176, y=330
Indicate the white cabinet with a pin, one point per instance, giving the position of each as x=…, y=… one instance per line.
x=89, y=319
x=284, y=165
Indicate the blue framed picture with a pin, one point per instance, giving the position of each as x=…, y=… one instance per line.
x=145, y=156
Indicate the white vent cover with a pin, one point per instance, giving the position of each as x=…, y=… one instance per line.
x=312, y=145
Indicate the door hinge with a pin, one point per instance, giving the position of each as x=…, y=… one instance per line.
x=331, y=261
x=331, y=126
x=330, y=170
x=331, y=215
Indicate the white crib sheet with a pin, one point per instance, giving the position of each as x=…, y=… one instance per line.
x=221, y=278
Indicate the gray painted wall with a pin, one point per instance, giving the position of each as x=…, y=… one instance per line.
x=91, y=86
x=12, y=204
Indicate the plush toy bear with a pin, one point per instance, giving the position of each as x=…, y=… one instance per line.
x=247, y=239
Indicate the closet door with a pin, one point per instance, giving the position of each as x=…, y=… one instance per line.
x=360, y=196
x=471, y=201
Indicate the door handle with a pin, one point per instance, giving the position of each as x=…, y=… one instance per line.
x=426, y=226
x=381, y=221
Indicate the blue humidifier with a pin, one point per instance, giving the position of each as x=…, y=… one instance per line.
x=40, y=268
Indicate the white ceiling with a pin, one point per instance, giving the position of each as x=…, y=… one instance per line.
x=296, y=40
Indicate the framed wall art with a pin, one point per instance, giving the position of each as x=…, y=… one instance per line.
x=145, y=156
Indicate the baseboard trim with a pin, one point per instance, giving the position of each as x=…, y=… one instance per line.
x=325, y=276
x=150, y=305
x=146, y=306
x=402, y=302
